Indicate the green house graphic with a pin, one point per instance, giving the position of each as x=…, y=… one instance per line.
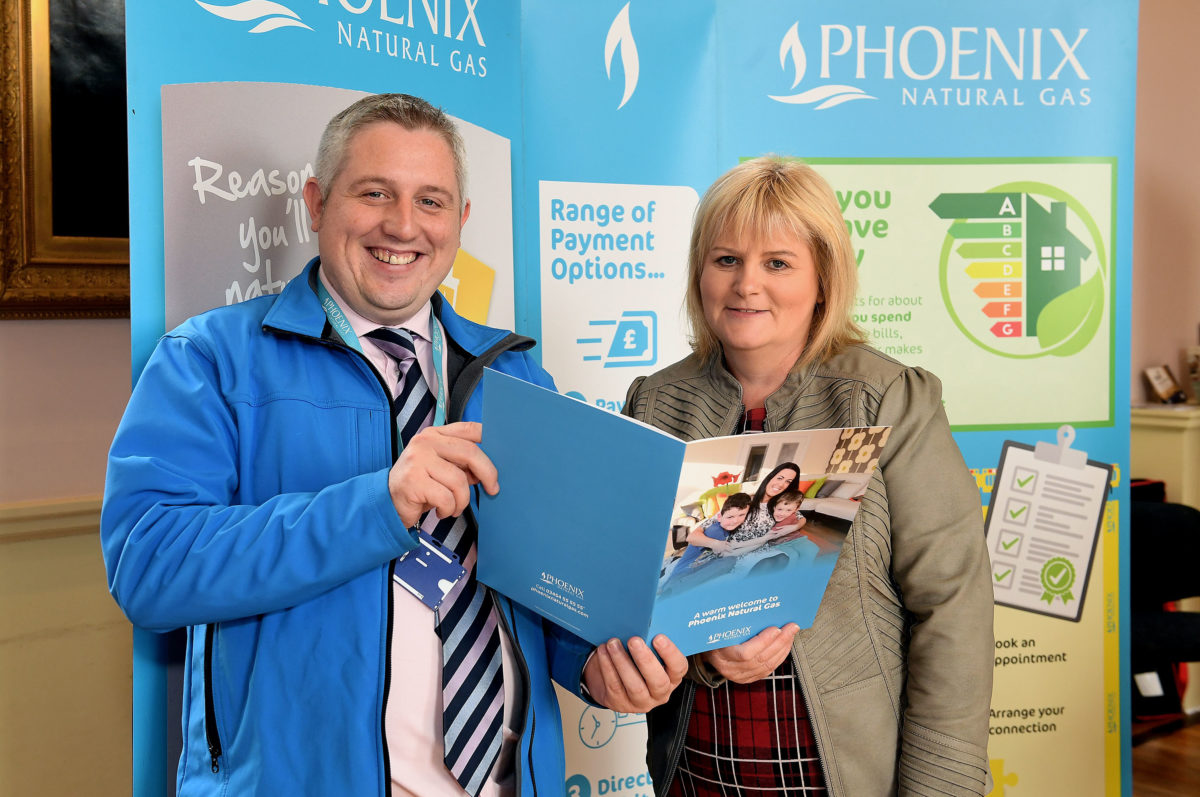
x=1053, y=257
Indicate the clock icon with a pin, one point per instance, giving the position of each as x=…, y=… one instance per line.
x=597, y=726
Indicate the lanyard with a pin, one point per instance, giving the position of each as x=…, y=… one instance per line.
x=341, y=325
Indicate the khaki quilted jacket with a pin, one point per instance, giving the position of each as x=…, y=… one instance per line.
x=897, y=666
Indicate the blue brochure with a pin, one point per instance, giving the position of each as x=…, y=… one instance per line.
x=612, y=528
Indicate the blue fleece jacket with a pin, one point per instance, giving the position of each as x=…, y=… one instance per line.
x=247, y=500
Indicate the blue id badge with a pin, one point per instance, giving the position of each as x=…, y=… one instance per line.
x=428, y=571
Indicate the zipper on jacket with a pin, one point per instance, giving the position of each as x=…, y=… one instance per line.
x=680, y=734
x=387, y=677
x=211, y=735
x=389, y=620
x=807, y=709
x=472, y=371
x=523, y=672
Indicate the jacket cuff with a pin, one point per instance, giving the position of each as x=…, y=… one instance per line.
x=584, y=693
x=701, y=673
x=385, y=509
x=933, y=763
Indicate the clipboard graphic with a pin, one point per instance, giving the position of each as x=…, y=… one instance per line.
x=1043, y=524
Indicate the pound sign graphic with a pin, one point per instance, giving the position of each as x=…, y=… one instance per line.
x=631, y=339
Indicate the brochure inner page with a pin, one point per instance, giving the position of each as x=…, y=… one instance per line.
x=759, y=522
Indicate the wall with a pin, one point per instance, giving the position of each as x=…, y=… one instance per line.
x=64, y=386
x=65, y=668
x=1166, y=225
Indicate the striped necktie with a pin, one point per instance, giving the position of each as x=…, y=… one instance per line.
x=413, y=405
x=472, y=682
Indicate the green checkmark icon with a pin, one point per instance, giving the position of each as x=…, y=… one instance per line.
x=1016, y=513
x=1026, y=480
x=1058, y=576
x=1002, y=576
x=1010, y=543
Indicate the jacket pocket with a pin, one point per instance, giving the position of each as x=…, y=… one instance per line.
x=211, y=734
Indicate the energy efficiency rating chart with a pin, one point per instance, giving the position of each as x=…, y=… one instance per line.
x=1006, y=289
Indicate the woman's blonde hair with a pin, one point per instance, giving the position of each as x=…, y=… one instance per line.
x=768, y=195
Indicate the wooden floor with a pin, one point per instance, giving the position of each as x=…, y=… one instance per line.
x=1167, y=763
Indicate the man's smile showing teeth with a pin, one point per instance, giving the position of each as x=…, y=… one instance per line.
x=385, y=256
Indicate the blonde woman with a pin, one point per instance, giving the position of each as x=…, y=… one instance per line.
x=888, y=691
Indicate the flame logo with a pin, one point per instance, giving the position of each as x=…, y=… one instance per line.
x=828, y=96
x=791, y=46
x=273, y=15
x=621, y=35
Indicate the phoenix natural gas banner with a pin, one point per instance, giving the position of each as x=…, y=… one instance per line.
x=983, y=158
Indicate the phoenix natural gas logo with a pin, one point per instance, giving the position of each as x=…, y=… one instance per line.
x=266, y=15
x=1023, y=269
x=620, y=39
x=561, y=583
x=930, y=66
x=435, y=33
x=732, y=633
x=826, y=96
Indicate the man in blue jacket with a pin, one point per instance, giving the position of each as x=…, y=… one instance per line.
x=264, y=492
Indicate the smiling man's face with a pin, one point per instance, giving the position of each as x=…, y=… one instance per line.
x=388, y=229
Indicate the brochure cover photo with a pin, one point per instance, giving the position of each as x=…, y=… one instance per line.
x=612, y=528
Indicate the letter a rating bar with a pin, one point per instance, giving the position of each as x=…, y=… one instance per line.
x=977, y=206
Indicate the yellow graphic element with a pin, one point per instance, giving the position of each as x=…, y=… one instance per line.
x=994, y=270
x=1000, y=779
x=468, y=287
x=1110, y=551
x=984, y=478
x=1116, y=477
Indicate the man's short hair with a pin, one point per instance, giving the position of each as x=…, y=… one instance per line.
x=736, y=501
x=411, y=113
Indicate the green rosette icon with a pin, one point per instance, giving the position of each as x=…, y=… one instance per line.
x=1058, y=576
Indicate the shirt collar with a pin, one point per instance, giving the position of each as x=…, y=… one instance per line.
x=418, y=323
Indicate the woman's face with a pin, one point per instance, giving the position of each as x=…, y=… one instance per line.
x=758, y=295
x=780, y=482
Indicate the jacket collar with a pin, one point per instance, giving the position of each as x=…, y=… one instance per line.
x=778, y=404
x=298, y=311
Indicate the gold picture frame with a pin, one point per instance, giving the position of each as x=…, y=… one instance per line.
x=42, y=275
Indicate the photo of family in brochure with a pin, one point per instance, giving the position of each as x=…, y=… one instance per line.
x=756, y=505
